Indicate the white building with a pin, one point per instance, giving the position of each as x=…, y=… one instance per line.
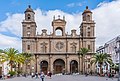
x=4, y=68
x=109, y=48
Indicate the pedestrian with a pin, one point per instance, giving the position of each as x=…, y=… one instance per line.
x=50, y=74
x=36, y=75
x=32, y=75
x=42, y=76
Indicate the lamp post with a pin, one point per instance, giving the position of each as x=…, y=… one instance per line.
x=117, y=50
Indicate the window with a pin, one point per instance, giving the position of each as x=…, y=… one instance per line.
x=58, y=32
x=28, y=47
x=28, y=33
x=88, y=34
x=88, y=17
x=28, y=27
x=88, y=46
x=88, y=65
x=88, y=28
x=83, y=18
x=28, y=16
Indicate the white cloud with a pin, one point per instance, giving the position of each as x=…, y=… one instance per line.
x=71, y=5
x=8, y=42
x=107, y=20
x=45, y=21
x=75, y=4
x=12, y=24
x=106, y=16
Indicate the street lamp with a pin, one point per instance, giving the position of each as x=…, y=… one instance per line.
x=117, y=50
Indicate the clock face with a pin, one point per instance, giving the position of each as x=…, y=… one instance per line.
x=59, y=45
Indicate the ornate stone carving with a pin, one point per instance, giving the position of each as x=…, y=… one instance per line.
x=59, y=45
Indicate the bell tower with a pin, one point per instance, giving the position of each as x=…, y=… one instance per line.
x=87, y=30
x=29, y=24
x=87, y=25
x=28, y=31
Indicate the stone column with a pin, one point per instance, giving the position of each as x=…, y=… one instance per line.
x=49, y=66
x=67, y=65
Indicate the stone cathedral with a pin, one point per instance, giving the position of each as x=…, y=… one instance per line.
x=58, y=53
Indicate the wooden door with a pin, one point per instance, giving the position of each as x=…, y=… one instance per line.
x=58, y=69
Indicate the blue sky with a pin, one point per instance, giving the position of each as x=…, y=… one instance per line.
x=105, y=14
x=69, y=6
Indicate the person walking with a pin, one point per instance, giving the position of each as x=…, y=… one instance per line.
x=50, y=74
x=42, y=76
x=36, y=75
x=32, y=75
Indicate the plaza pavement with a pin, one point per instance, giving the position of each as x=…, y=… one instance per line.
x=63, y=78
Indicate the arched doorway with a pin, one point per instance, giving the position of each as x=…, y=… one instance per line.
x=73, y=66
x=44, y=66
x=59, y=66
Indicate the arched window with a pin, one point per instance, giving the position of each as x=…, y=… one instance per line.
x=28, y=47
x=83, y=18
x=28, y=33
x=58, y=32
x=88, y=18
x=28, y=16
x=89, y=47
x=88, y=34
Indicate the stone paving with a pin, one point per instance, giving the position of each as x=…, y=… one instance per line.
x=63, y=78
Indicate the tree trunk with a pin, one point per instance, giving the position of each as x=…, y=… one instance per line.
x=11, y=67
x=26, y=69
x=82, y=65
x=18, y=66
x=101, y=70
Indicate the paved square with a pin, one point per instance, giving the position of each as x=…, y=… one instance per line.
x=64, y=78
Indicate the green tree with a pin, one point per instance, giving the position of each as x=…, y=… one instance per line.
x=12, y=56
x=27, y=58
x=100, y=59
x=82, y=52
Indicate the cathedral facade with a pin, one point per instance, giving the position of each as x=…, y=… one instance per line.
x=58, y=53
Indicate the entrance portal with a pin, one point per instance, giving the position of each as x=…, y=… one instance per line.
x=59, y=66
x=73, y=66
x=44, y=66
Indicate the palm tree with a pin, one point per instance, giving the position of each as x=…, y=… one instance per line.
x=27, y=58
x=82, y=52
x=100, y=59
x=1, y=52
x=12, y=56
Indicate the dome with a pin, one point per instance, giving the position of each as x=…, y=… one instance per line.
x=87, y=10
x=29, y=9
